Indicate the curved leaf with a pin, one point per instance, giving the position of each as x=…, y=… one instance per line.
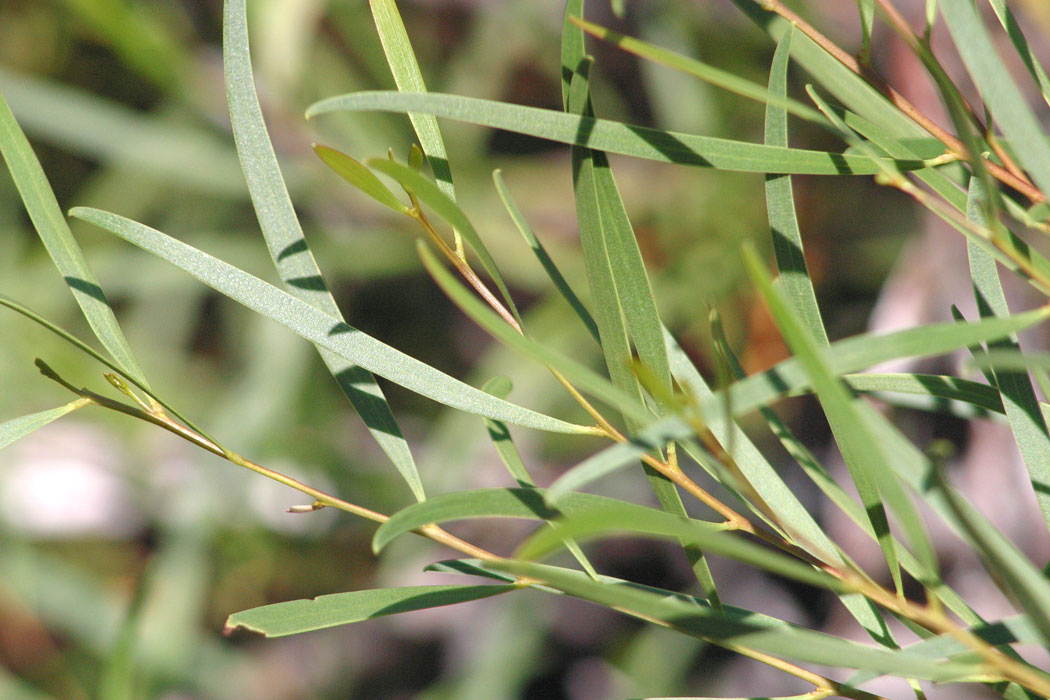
x=321, y=329
x=613, y=137
x=359, y=176
x=287, y=245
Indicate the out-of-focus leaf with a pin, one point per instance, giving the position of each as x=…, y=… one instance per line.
x=447, y=209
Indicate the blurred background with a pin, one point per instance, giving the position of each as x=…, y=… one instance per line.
x=114, y=533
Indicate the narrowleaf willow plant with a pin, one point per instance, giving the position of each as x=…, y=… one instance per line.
x=987, y=176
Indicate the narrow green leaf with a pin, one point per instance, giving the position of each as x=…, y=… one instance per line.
x=1018, y=394
x=780, y=205
x=938, y=387
x=860, y=451
x=359, y=176
x=287, y=245
x=297, y=616
x=715, y=76
x=1013, y=630
x=545, y=260
x=862, y=351
x=585, y=379
x=734, y=627
x=613, y=137
x=51, y=226
x=1000, y=93
x=528, y=503
x=408, y=78
x=18, y=428
x=626, y=518
x=867, y=19
x=447, y=209
x=321, y=329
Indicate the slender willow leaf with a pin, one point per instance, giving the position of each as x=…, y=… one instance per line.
x=545, y=260
x=287, y=245
x=51, y=226
x=862, y=351
x=936, y=386
x=447, y=209
x=500, y=435
x=1018, y=394
x=586, y=379
x=791, y=515
x=359, y=176
x=625, y=309
x=528, y=503
x=998, y=89
x=867, y=19
x=627, y=518
x=408, y=78
x=18, y=428
x=736, y=628
x=780, y=205
x=613, y=137
x=716, y=76
x=321, y=329
x=297, y=616
x=1031, y=61
x=860, y=451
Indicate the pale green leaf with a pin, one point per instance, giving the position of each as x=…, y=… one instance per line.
x=545, y=260
x=51, y=226
x=734, y=626
x=1018, y=394
x=780, y=205
x=408, y=78
x=287, y=245
x=321, y=329
x=18, y=428
x=613, y=137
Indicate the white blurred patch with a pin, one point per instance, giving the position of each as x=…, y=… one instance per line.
x=66, y=481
